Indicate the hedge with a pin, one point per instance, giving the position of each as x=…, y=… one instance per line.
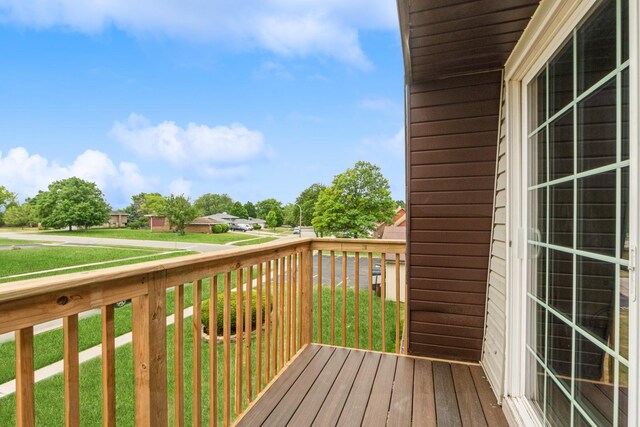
x=220, y=313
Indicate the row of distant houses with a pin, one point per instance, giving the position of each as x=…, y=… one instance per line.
x=203, y=224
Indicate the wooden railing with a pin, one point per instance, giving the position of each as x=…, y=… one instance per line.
x=224, y=376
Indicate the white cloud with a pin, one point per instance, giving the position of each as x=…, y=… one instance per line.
x=196, y=146
x=394, y=145
x=379, y=104
x=288, y=27
x=180, y=186
x=28, y=173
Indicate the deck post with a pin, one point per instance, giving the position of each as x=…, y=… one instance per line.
x=306, y=297
x=150, y=353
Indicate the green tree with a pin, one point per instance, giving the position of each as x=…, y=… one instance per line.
x=70, y=202
x=238, y=210
x=144, y=204
x=209, y=204
x=179, y=212
x=307, y=200
x=265, y=206
x=19, y=215
x=401, y=203
x=291, y=215
x=272, y=219
x=251, y=210
x=356, y=202
x=7, y=199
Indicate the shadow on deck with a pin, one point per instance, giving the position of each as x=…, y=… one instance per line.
x=328, y=386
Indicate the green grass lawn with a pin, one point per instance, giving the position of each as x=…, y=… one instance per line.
x=126, y=233
x=50, y=407
x=33, y=260
x=10, y=242
x=255, y=241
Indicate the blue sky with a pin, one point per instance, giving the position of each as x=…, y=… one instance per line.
x=255, y=99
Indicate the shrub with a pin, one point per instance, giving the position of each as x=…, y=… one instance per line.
x=225, y=227
x=257, y=227
x=220, y=313
x=217, y=228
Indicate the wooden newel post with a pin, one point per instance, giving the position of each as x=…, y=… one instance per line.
x=150, y=353
x=306, y=297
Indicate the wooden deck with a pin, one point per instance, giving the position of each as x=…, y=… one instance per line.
x=328, y=386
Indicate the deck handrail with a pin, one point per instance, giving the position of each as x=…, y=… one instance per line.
x=283, y=280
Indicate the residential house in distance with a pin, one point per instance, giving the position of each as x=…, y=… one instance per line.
x=202, y=225
x=395, y=266
x=399, y=220
x=118, y=219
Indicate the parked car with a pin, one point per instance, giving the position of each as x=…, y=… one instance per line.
x=240, y=227
x=296, y=230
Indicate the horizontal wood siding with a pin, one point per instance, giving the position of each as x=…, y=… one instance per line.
x=494, y=341
x=451, y=178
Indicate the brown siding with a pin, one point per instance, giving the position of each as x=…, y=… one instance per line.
x=453, y=125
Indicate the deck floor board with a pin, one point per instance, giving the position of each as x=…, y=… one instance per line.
x=329, y=386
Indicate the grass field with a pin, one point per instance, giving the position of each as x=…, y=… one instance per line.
x=50, y=407
x=10, y=242
x=35, y=260
x=126, y=233
x=255, y=241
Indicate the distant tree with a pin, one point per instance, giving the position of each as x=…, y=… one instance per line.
x=401, y=203
x=19, y=215
x=179, y=212
x=7, y=199
x=144, y=204
x=307, y=200
x=209, y=204
x=272, y=219
x=70, y=202
x=251, y=210
x=265, y=206
x=356, y=202
x=238, y=210
x=291, y=215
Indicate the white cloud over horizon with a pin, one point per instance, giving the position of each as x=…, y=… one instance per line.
x=27, y=173
x=180, y=186
x=286, y=27
x=209, y=149
x=393, y=145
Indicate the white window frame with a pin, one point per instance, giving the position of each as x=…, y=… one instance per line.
x=550, y=26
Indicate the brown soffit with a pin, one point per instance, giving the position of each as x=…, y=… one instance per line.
x=445, y=38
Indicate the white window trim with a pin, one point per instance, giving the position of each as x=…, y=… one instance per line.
x=550, y=26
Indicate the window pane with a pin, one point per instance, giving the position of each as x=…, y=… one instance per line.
x=594, y=381
x=538, y=321
x=538, y=99
x=597, y=213
x=558, y=406
x=623, y=395
x=597, y=46
x=561, y=214
x=597, y=128
x=625, y=114
x=538, y=260
x=624, y=312
x=561, y=282
x=560, y=350
x=561, y=79
x=595, y=297
x=624, y=212
x=625, y=30
x=561, y=146
x=538, y=158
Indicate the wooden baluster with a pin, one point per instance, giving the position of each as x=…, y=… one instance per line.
x=281, y=317
x=197, y=352
x=71, y=371
x=297, y=301
x=178, y=361
x=356, y=285
x=248, y=297
x=276, y=315
x=239, y=330
x=397, y=303
x=332, y=278
x=150, y=353
x=289, y=317
x=319, y=326
x=226, y=331
x=370, y=261
x=259, y=300
x=25, y=403
x=213, y=352
x=306, y=298
x=108, y=367
x=344, y=298
x=383, y=297
x=268, y=317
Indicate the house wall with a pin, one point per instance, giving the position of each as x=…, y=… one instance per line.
x=493, y=349
x=390, y=281
x=453, y=130
x=198, y=228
